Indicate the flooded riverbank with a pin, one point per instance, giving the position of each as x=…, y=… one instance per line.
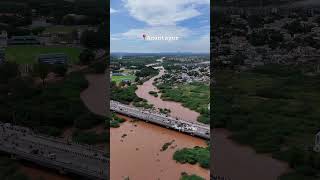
x=177, y=109
x=238, y=162
x=37, y=173
x=136, y=145
x=136, y=152
x=94, y=97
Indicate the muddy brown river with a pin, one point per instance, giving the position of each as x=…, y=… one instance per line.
x=177, y=110
x=238, y=162
x=136, y=145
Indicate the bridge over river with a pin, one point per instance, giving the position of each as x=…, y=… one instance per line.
x=184, y=126
x=67, y=157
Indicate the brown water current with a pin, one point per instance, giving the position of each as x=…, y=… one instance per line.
x=177, y=110
x=136, y=145
x=36, y=173
x=136, y=152
x=238, y=162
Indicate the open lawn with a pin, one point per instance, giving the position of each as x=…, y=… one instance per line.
x=29, y=54
x=118, y=79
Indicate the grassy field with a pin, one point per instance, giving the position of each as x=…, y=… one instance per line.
x=275, y=109
x=29, y=54
x=118, y=79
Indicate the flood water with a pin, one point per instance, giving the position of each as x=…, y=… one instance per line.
x=136, y=152
x=237, y=162
x=177, y=110
x=36, y=173
x=136, y=145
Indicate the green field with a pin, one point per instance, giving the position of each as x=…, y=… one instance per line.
x=118, y=79
x=29, y=54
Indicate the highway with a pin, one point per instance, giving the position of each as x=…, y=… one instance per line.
x=55, y=153
x=184, y=126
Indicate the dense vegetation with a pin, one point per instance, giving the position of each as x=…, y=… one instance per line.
x=194, y=96
x=146, y=72
x=153, y=93
x=185, y=176
x=89, y=137
x=57, y=9
x=115, y=121
x=127, y=95
x=275, y=109
x=9, y=170
x=194, y=155
x=124, y=94
x=48, y=108
x=166, y=145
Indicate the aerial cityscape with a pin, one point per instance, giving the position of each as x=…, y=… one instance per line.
x=266, y=90
x=160, y=75
x=52, y=90
x=159, y=90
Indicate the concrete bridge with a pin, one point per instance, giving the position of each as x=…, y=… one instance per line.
x=67, y=157
x=188, y=127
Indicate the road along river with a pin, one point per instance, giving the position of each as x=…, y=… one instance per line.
x=136, y=145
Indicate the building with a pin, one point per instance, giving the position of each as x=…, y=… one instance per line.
x=317, y=142
x=23, y=40
x=3, y=39
x=52, y=58
x=2, y=55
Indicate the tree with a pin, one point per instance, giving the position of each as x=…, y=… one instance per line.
x=8, y=70
x=38, y=30
x=60, y=70
x=294, y=27
x=41, y=70
x=86, y=56
x=95, y=39
x=238, y=59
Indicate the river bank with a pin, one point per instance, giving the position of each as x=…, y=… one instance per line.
x=239, y=162
x=136, y=145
